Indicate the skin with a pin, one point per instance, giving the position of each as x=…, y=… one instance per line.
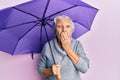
x=64, y=33
x=63, y=29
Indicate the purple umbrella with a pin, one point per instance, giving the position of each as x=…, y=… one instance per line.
x=27, y=27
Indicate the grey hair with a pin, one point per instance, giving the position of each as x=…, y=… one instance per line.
x=61, y=17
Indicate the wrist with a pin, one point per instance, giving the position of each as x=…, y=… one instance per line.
x=68, y=50
x=47, y=71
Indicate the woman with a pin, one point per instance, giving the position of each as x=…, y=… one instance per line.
x=67, y=52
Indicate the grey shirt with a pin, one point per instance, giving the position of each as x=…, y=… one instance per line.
x=69, y=70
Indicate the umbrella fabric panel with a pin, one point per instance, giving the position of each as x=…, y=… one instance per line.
x=34, y=40
x=10, y=37
x=79, y=30
x=35, y=7
x=27, y=27
x=81, y=14
x=4, y=14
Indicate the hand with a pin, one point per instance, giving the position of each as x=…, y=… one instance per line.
x=66, y=41
x=56, y=68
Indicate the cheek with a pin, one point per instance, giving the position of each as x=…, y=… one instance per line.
x=69, y=32
x=58, y=32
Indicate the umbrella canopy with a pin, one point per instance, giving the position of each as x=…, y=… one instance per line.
x=25, y=28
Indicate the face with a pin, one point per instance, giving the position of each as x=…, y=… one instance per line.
x=63, y=25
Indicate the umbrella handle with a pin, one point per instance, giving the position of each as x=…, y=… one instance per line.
x=58, y=76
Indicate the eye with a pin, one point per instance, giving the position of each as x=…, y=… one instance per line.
x=68, y=26
x=58, y=26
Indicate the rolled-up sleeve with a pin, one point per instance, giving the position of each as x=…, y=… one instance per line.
x=83, y=64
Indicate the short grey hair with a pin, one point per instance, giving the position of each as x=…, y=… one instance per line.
x=61, y=17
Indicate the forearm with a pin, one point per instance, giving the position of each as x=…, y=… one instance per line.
x=73, y=56
x=47, y=71
x=81, y=65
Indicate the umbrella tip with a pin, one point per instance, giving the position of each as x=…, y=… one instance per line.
x=32, y=56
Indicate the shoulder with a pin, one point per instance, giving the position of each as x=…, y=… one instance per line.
x=76, y=42
x=49, y=43
x=46, y=47
x=77, y=46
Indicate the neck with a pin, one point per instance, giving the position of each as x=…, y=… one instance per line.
x=59, y=43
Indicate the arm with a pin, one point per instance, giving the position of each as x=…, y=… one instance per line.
x=49, y=71
x=82, y=64
x=78, y=57
x=42, y=67
x=73, y=56
x=54, y=70
x=42, y=63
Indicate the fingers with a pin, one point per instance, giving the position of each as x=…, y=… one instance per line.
x=64, y=36
x=56, y=68
x=59, y=77
x=65, y=41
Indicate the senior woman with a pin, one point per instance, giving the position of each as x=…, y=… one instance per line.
x=68, y=52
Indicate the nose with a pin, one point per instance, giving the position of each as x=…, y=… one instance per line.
x=63, y=29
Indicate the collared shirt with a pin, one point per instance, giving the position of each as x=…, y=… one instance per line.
x=69, y=70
